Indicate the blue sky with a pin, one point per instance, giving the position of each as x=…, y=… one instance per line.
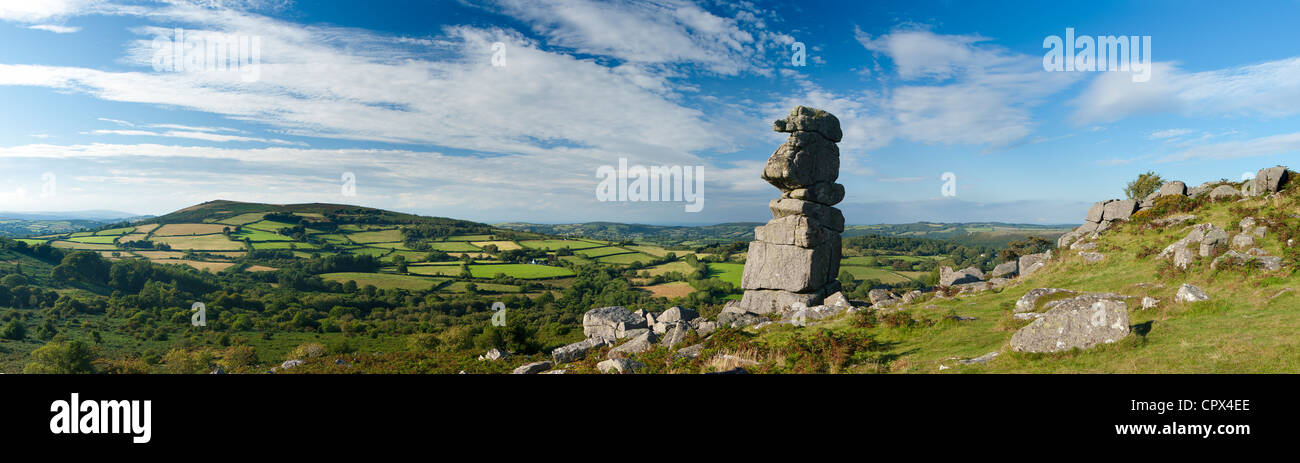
x=404, y=95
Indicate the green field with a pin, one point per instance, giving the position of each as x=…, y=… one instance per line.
x=593, y=253
x=552, y=245
x=115, y=231
x=454, y=246
x=727, y=272
x=94, y=239
x=386, y=281
x=384, y=236
x=524, y=271
x=243, y=219
x=283, y=245
x=626, y=258
x=269, y=225
x=258, y=235
x=32, y=242
x=874, y=273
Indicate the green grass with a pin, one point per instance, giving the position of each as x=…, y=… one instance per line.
x=874, y=273
x=115, y=231
x=454, y=246
x=524, y=271
x=94, y=239
x=469, y=238
x=32, y=242
x=385, y=280
x=384, y=236
x=626, y=258
x=258, y=235
x=269, y=225
x=593, y=253
x=552, y=245
x=283, y=245
x=243, y=219
x=727, y=272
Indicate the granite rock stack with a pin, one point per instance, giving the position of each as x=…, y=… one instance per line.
x=795, y=258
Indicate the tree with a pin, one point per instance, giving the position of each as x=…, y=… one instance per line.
x=14, y=330
x=13, y=280
x=1143, y=186
x=61, y=358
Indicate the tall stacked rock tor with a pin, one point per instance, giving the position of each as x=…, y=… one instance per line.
x=795, y=258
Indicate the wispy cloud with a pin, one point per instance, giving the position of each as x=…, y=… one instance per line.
x=56, y=28
x=1267, y=89
x=1262, y=146
x=1169, y=133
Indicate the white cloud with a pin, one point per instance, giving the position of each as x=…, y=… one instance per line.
x=196, y=135
x=41, y=10
x=1268, y=89
x=1263, y=146
x=957, y=89
x=651, y=32
x=56, y=28
x=1169, y=133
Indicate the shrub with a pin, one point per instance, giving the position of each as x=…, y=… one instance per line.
x=183, y=362
x=14, y=330
x=308, y=351
x=1143, y=186
x=61, y=358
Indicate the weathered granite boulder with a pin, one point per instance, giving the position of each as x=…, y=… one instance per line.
x=608, y=322
x=1172, y=188
x=1029, y=302
x=676, y=334
x=794, y=230
x=837, y=300
x=1119, y=210
x=1074, y=325
x=1150, y=303
x=1097, y=210
x=675, y=314
x=1269, y=180
x=1224, y=192
x=575, y=351
x=638, y=344
x=761, y=301
x=1243, y=241
x=1202, y=189
x=1030, y=263
x=791, y=268
x=1214, y=238
x=1268, y=263
x=826, y=216
x=948, y=277
x=619, y=366
x=1191, y=293
x=828, y=194
x=1092, y=257
x=911, y=296
x=532, y=368
x=805, y=159
x=1006, y=269
x=805, y=119
x=878, y=295
x=1183, y=257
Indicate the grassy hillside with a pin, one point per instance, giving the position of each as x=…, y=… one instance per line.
x=1248, y=326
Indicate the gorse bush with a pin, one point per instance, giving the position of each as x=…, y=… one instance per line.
x=1143, y=186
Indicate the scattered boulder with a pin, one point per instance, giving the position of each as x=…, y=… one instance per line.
x=911, y=296
x=676, y=335
x=290, y=364
x=608, y=322
x=1030, y=263
x=1183, y=257
x=1172, y=188
x=1190, y=293
x=638, y=344
x=837, y=300
x=1173, y=220
x=620, y=365
x=1268, y=263
x=1074, y=325
x=1005, y=269
x=691, y=351
x=1150, y=302
x=978, y=360
x=1224, y=192
x=1269, y=180
x=947, y=277
x=494, y=355
x=575, y=351
x=532, y=368
x=1029, y=302
x=1243, y=241
x=677, y=314
x=879, y=295
x=740, y=320
x=1119, y=210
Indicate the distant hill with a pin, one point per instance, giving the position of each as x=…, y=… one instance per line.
x=218, y=210
x=979, y=234
x=95, y=215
